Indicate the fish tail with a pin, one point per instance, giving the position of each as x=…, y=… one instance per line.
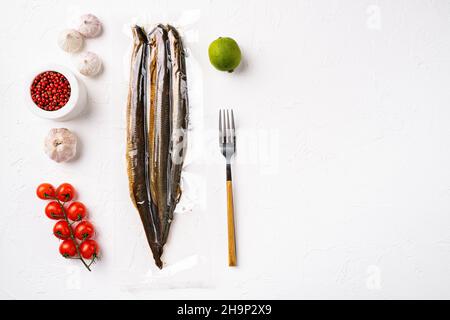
x=157, y=251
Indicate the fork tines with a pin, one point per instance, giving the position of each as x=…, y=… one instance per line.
x=227, y=133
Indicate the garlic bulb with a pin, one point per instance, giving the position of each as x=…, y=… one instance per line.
x=89, y=64
x=89, y=26
x=70, y=40
x=60, y=144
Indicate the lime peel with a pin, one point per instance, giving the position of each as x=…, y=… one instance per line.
x=224, y=54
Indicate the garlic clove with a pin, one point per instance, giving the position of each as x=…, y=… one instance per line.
x=89, y=26
x=60, y=144
x=89, y=64
x=70, y=40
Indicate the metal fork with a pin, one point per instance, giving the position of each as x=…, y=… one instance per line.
x=227, y=143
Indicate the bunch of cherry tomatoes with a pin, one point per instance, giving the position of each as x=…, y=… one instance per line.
x=72, y=227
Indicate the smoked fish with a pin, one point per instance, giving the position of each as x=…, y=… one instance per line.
x=157, y=121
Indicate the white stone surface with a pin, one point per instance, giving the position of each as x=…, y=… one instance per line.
x=342, y=175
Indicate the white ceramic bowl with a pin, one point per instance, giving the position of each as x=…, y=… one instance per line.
x=72, y=108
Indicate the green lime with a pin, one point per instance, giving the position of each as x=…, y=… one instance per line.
x=224, y=54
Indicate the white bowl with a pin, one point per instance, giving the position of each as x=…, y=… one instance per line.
x=72, y=108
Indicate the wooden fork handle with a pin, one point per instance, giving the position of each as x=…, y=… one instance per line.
x=231, y=233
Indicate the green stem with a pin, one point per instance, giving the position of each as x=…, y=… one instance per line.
x=92, y=261
x=72, y=236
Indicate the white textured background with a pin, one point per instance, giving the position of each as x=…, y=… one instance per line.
x=342, y=176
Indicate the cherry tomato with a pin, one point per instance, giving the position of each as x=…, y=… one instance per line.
x=45, y=191
x=84, y=230
x=67, y=248
x=65, y=192
x=89, y=249
x=54, y=211
x=61, y=229
x=76, y=211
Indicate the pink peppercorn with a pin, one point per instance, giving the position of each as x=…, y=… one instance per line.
x=50, y=90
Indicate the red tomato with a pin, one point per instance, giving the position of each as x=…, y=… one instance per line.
x=76, y=211
x=89, y=249
x=54, y=211
x=84, y=230
x=61, y=229
x=67, y=248
x=65, y=192
x=45, y=191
